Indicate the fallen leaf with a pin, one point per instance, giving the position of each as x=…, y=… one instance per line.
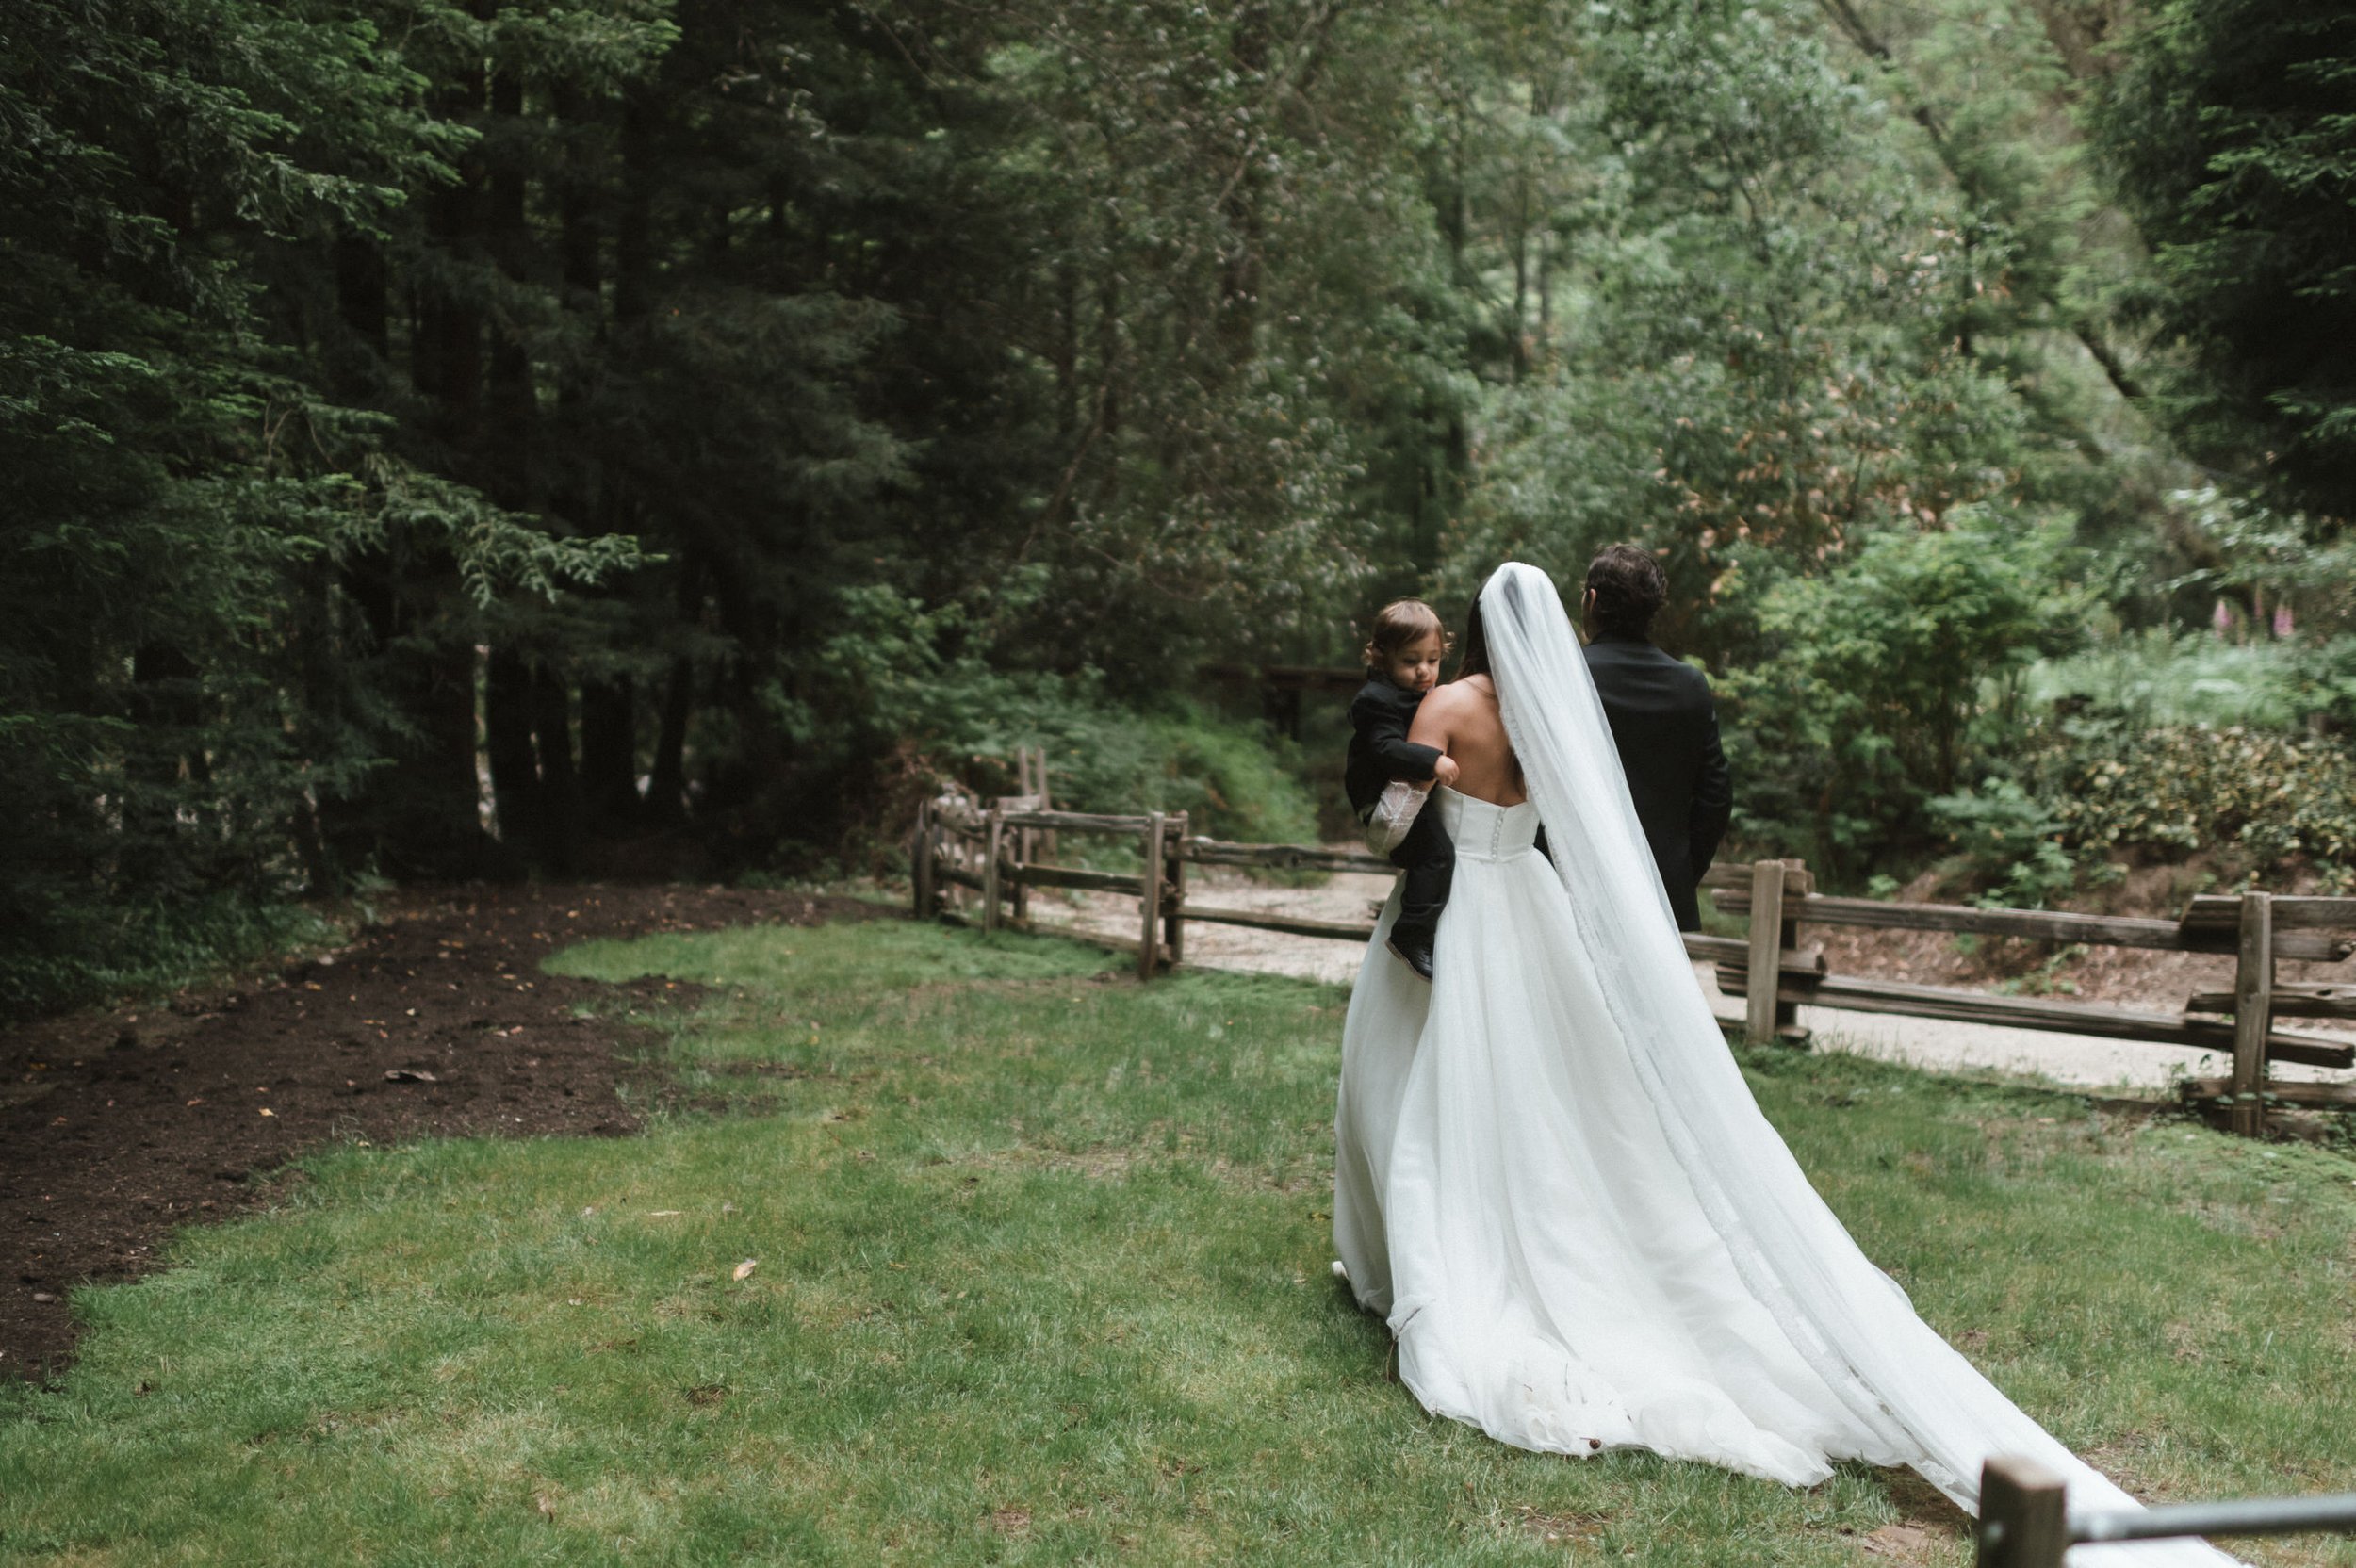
x=266, y=1111
x=745, y=1269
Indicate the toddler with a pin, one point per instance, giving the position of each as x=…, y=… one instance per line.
x=1389, y=778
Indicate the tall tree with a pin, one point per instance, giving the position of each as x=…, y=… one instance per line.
x=2228, y=127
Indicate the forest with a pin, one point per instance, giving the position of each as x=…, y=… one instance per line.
x=453, y=439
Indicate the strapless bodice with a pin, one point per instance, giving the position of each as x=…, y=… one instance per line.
x=1483, y=831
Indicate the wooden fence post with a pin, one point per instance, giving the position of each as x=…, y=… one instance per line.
x=1150, y=901
x=2253, y=1013
x=1787, y=940
x=1025, y=840
x=1766, y=954
x=921, y=862
x=994, y=838
x=1046, y=802
x=2022, y=1520
x=1174, y=902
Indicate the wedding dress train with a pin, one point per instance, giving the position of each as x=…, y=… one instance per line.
x=1553, y=1184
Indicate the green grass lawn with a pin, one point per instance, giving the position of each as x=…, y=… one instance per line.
x=1040, y=1276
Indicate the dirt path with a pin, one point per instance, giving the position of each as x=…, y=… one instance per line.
x=118, y=1125
x=2160, y=981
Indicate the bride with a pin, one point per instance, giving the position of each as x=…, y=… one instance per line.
x=1551, y=1180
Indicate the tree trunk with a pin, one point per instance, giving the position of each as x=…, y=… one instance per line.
x=559, y=780
x=505, y=456
x=666, y=790
x=609, y=749
x=1239, y=272
x=507, y=718
x=429, y=823
x=633, y=241
x=1067, y=351
x=360, y=289
x=447, y=346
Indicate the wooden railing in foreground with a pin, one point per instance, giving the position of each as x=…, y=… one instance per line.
x=2023, y=1523
x=2259, y=929
x=1000, y=851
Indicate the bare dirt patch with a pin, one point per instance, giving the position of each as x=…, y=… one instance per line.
x=1930, y=1529
x=1560, y=1529
x=118, y=1124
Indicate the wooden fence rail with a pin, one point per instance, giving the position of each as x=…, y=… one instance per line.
x=2024, y=1522
x=1004, y=848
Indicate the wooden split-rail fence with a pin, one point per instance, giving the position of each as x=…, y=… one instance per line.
x=998, y=851
x=2026, y=1521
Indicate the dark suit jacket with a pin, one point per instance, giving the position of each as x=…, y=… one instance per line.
x=1666, y=728
x=1380, y=752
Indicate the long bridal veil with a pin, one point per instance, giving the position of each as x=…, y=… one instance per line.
x=1852, y=1322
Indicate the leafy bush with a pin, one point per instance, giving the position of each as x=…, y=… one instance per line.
x=2159, y=676
x=2011, y=840
x=1894, y=677
x=92, y=952
x=2177, y=788
x=964, y=719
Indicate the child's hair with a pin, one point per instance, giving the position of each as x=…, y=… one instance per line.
x=1395, y=624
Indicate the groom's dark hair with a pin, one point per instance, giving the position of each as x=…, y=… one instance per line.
x=1630, y=588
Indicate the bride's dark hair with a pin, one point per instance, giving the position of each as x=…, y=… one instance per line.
x=1473, y=658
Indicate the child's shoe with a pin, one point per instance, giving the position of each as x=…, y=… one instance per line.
x=1412, y=947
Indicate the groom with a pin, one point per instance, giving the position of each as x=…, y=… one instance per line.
x=1662, y=720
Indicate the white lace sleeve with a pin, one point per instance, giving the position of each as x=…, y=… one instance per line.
x=1393, y=814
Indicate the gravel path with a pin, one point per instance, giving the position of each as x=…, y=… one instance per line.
x=2078, y=1060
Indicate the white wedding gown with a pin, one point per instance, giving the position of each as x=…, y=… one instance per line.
x=1553, y=1184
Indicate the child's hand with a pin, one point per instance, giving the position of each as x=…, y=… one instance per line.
x=1444, y=771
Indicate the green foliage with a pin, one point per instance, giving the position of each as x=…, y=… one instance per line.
x=89, y=951
x=966, y=718
x=1894, y=677
x=398, y=394
x=2262, y=801
x=1768, y=348
x=2228, y=132
x=188, y=666
x=2163, y=678
x=2011, y=842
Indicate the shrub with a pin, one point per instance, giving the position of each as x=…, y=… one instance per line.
x=1893, y=678
x=2160, y=677
x=2012, y=841
x=92, y=952
x=963, y=719
x=2265, y=799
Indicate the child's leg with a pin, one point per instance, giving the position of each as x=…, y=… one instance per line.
x=1430, y=860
